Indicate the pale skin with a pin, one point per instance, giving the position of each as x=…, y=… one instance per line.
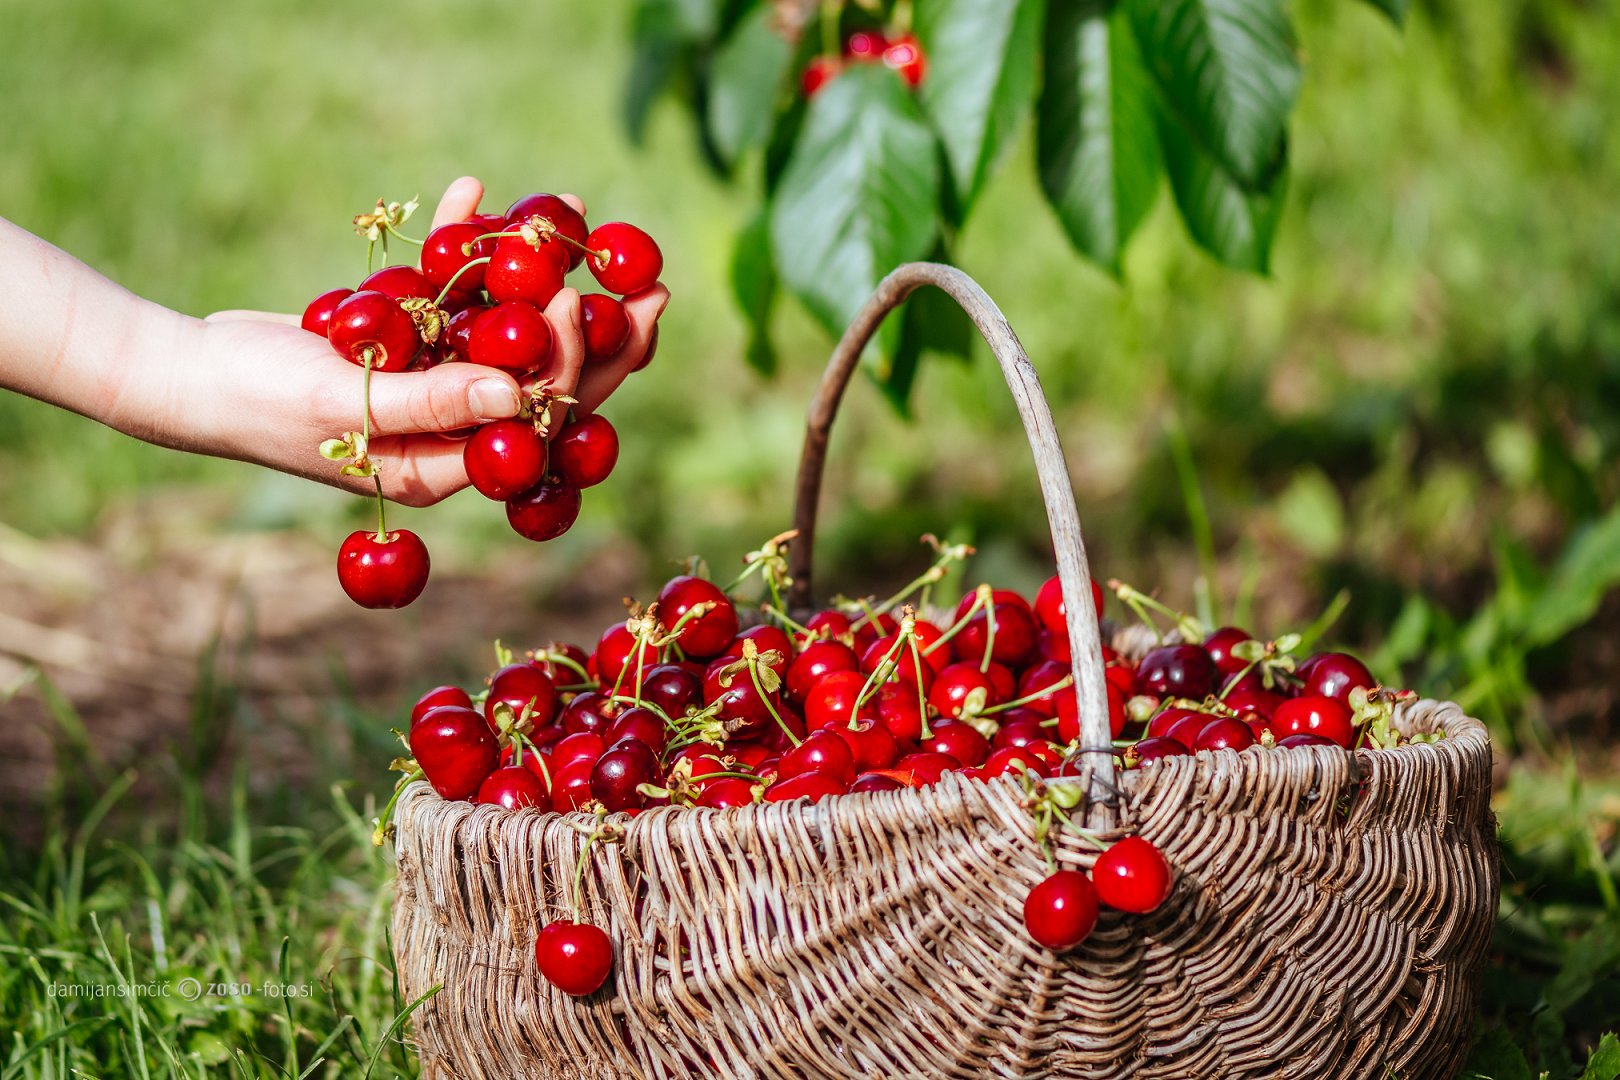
x=254, y=386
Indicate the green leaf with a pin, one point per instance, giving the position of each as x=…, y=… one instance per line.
x=1234, y=225
x=657, y=34
x=1096, y=144
x=1394, y=9
x=1227, y=67
x=1495, y=1057
x=981, y=78
x=859, y=195
x=743, y=83
x=1604, y=1064
x=1588, y=569
x=753, y=284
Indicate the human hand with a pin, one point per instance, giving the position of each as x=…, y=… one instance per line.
x=262, y=389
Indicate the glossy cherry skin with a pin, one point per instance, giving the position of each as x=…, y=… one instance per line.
x=1224, y=733
x=739, y=699
x=617, y=650
x=568, y=221
x=727, y=792
x=545, y=511
x=574, y=957
x=387, y=573
x=504, y=458
x=904, y=661
x=1186, y=730
x=831, y=701
x=871, y=744
x=514, y=787
x=1334, y=675
x=1068, y=713
x=642, y=726
x=1262, y=703
x=703, y=635
x=318, y=315
x=1060, y=912
x=1316, y=715
x=1153, y=748
x=1133, y=875
x=817, y=660
x=619, y=772
x=399, y=282
x=812, y=785
x=439, y=695
x=443, y=255
x=875, y=781
x=607, y=327
x=571, y=786
x=1179, y=671
x=900, y=710
x=767, y=639
x=513, y=336
x=582, y=746
x=926, y=767
x=583, y=453
x=1016, y=634
x=456, y=339
x=822, y=752
x=523, y=688
x=1039, y=678
x=1019, y=727
x=367, y=322
x=961, y=741
x=1013, y=760
x=1305, y=739
x=1219, y=646
x=957, y=684
x=518, y=271
x=672, y=688
x=1050, y=611
x=455, y=749
x=624, y=259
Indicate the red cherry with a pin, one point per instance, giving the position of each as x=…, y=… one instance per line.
x=518, y=271
x=523, y=688
x=640, y=725
x=727, y=792
x=1016, y=634
x=831, y=701
x=455, y=749
x=368, y=321
x=1153, y=748
x=904, y=660
x=607, y=327
x=439, y=695
x=875, y=781
x=900, y=710
x=615, y=650
x=812, y=785
x=818, y=73
x=443, y=255
x=584, y=452
x=623, y=258
x=571, y=786
x=1132, y=876
x=1262, y=703
x=872, y=745
x=399, y=282
x=818, y=660
x=1068, y=713
x=766, y=639
x=568, y=221
x=1177, y=671
x=504, y=458
x=1315, y=715
x=1019, y=727
x=513, y=336
x=1219, y=646
x=926, y=767
x=703, y=635
x=961, y=741
x=1224, y=733
x=1305, y=739
x=545, y=511
x=457, y=336
x=865, y=45
x=1049, y=609
x=1186, y=730
x=906, y=56
x=739, y=699
x=318, y=315
x=1014, y=760
x=581, y=746
x=831, y=626
x=822, y=752
x=956, y=684
x=514, y=787
x=617, y=775
x=673, y=688
x=574, y=957
x=1334, y=675
x=386, y=573
x=1060, y=912
x=1039, y=679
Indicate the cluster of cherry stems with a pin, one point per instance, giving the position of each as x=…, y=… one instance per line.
x=680, y=705
x=479, y=296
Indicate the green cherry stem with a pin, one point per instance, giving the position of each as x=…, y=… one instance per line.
x=444, y=293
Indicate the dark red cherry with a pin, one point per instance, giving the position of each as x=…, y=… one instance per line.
x=383, y=573
x=1039, y=679
x=1219, y=646
x=518, y=271
x=641, y=725
x=318, y=315
x=1304, y=738
x=513, y=336
x=1261, y=703
x=545, y=511
x=871, y=744
x=584, y=452
x=875, y=781
x=1060, y=911
x=514, y=787
x=607, y=327
x=582, y=746
x=739, y=699
x=571, y=786
x=766, y=639
x=369, y=323
x=439, y=695
x=1334, y=675
x=926, y=767
x=673, y=688
x=456, y=339
x=623, y=258
x=1179, y=671
x=1224, y=733
x=1132, y=876
x=574, y=957
x=727, y=792
x=1153, y=748
x=505, y=458
x=812, y=785
x=619, y=772
x=567, y=221
x=455, y=749
x=703, y=635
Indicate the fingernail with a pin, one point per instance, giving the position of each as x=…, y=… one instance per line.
x=492, y=399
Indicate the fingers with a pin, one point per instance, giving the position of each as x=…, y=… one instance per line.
x=575, y=201
x=417, y=470
x=601, y=379
x=243, y=315
x=568, y=343
x=441, y=399
x=459, y=202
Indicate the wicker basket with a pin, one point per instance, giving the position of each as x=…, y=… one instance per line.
x=1330, y=914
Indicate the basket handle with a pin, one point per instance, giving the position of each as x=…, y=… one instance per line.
x=1074, y=571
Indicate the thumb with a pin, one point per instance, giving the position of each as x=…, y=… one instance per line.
x=446, y=398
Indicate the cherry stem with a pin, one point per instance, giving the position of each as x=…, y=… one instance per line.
x=380, y=833
x=371, y=246
x=958, y=626
x=753, y=675
x=869, y=687
x=565, y=660
x=408, y=239
x=1066, y=681
x=922, y=580
x=989, y=637
x=925, y=731
x=365, y=425
x=444, y=293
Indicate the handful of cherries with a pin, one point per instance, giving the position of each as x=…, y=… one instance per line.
x=680, y=704
x=479, y=296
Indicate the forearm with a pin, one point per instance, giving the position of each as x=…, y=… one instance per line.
x=71, y=337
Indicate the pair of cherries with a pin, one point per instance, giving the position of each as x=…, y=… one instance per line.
x=479, y=296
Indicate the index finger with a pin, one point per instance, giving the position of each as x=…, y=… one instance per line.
x=459, y=202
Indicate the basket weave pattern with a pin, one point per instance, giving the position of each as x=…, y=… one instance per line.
x=1330, y=915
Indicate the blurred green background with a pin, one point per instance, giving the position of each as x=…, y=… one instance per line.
x=1421, y=404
